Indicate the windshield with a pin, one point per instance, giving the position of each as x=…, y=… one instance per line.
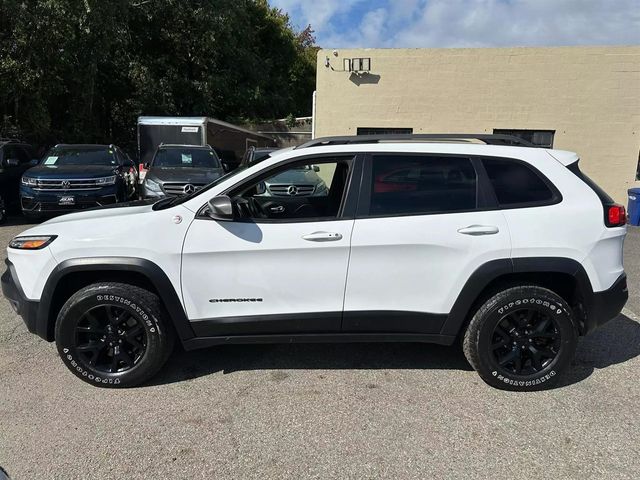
x=80, y=156
x=186, y=158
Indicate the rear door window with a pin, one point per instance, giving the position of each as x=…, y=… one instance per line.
x=421, y=184
x=516, y=184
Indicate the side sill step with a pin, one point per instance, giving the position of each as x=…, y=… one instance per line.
x=203, y=342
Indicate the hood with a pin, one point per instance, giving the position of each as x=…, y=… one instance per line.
x=70, y=172
x=119, y=209
x=184, y=175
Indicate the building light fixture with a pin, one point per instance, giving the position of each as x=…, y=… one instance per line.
x=357, y=65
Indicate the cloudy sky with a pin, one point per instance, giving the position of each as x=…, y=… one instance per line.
x=466, y=23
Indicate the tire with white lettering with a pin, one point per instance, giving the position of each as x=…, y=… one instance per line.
x=521, y=339
x=113, y=334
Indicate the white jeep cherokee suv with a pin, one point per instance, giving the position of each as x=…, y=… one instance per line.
x=510, y=249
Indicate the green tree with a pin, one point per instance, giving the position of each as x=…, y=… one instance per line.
x=84, y=70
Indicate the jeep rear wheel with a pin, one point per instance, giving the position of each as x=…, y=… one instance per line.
x=113, y=335
x=521, y=339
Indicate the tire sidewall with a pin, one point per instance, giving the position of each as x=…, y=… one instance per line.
x=87, y=299
x=549, y=304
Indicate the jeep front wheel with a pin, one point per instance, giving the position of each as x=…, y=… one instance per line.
x=113, y=335
x=521, y=339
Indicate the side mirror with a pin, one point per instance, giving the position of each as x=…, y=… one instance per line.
x=315, y=168
x=220, y=208
x=227, y=167
x=13, y=162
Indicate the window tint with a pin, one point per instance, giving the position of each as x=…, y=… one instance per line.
x=186, y=158
x=515, y=183
x=304, y=191
x=413, y=184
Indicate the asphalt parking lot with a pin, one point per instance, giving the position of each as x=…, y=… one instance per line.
x=323, y=411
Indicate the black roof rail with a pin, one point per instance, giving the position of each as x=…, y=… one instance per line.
x=487, y=138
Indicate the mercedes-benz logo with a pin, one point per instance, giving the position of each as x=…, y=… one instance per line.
x=66, y=184
x=292, y=190
x=188, y=189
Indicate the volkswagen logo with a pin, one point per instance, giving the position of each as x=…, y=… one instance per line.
x=292, y=190
x=66, y=184
x=188, y=189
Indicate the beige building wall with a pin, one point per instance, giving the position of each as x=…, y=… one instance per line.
x=590, y=96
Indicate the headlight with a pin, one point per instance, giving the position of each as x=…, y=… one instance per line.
x=106, y=180
x=32, y=243
x=30, y=182
x=152, y=186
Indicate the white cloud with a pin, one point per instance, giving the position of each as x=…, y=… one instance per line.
x=455, y=23
x=459, y=23
x=373, y=25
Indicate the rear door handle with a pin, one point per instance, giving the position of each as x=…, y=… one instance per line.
x=477, y=230
x=322, y=237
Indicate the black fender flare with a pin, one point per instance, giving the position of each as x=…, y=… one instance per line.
x=494, y=269
x=158, y=278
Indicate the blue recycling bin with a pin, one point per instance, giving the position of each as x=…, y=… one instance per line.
x=633, y=209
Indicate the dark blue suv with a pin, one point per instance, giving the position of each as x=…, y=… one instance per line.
x=76, y=177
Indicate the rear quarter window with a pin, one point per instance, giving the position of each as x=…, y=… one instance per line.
x=517, y=185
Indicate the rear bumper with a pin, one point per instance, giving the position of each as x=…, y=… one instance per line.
x=24, y=307
x=606, y=305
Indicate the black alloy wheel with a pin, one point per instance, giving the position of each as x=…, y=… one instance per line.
x=113, y=335
x=111, y=338
x=521, y=338
x=525, y=341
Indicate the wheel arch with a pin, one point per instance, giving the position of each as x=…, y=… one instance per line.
x=71, y=275
x=564, y=276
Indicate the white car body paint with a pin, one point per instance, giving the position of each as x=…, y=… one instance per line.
x=414, y=263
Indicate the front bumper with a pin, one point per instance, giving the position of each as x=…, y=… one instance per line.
x=45, y=202
x=606, y=305
x=11, y=289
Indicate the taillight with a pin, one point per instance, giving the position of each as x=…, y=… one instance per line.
x=616, y=216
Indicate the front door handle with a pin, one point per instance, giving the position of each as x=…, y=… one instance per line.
x=278, y=209
x=322, y=237
x=477, y=230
